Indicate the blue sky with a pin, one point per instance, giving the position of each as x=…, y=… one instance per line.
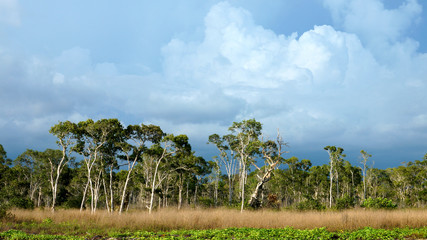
x=350, y=73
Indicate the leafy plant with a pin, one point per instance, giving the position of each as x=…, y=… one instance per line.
x=310, y=204
x=345, y=202
x=378, y=203
x=47, y=221
x=4, y=214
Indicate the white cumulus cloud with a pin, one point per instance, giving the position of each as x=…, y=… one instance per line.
x=323, y=85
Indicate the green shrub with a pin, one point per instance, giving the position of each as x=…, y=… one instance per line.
x=206, y=202
x=345, y=202
x=47, y=221
x=24, y=203
x=4, y=214
x=310, y=204
x=378, y=203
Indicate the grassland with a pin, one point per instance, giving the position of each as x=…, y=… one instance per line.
x=208, y=222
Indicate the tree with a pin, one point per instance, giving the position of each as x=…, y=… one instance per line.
x=4, y=178
x=140, y=135
x=272, y=154
x=364, y=162
x=247, y=145
x=225, y=145
x=32, y=165
x=181, y=163
x=65, y=132
x=3, y=155
x=335, y=157
x=92, y=136
x=171, y=144
x=56, y=161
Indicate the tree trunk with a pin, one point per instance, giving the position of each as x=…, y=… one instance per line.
x=106, y=197
x=230, y=190
x=124, y=191
x=84, y=196
x=243, y=186
x=195, y=195
x=153, y=186
x=255, y=197
x=179, y=196
x=331, y=178
x=111, y=189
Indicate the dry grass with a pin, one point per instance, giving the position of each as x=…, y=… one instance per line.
x=169, y=219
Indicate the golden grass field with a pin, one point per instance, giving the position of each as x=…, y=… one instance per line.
x=168, y=219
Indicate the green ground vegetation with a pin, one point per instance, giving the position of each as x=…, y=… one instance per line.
x=235, y=233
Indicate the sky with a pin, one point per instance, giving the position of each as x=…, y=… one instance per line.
x=349, y=73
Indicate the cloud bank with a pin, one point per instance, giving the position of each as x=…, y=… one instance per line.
x=360, y=83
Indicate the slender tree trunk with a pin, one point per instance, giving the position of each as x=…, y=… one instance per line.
x=179, y=196
x=124, y=191
x=187, y=200
x=153, y=186
x=243, y=187
x=84, y=196
x=39, y=197
x=216, y=192
x=96, y=191
x=53, y=187
x=230, y=190
x=106, y=197
x=111, y=189
x=195, y=194
x=91, y=195
x=331, y=178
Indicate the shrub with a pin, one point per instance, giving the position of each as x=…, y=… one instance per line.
x=24, y=203
x=345, y=202
x=4, y=214
x=310, y=204
x=378, y=203
x=206, y=202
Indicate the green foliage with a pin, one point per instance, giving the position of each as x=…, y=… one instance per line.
x=239, y=233
x=345, y=202
x=22, y=202
x=47, y=221
x=378, y=203
x=4, y=213
x=310, y=204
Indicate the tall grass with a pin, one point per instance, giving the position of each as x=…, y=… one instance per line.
x=168, y=219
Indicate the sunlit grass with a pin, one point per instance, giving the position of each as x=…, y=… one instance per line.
x=169, y=219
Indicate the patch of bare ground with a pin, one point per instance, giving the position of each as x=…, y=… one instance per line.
x=168, y=219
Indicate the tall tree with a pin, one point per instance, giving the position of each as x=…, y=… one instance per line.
x=171, y=145
x=65, y=132
x=181, y=163
x=364, y=162
x=272, y=153
x=335, y=156
x=92, y=136
x=140, y=135
x=225, y=145
x=247, y=145
x=33, y=165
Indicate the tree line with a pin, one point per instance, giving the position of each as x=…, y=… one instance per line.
x=105, y=165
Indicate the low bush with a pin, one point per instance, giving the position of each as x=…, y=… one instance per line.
x=310, y=204
x=345, y=202
x=378, y=203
